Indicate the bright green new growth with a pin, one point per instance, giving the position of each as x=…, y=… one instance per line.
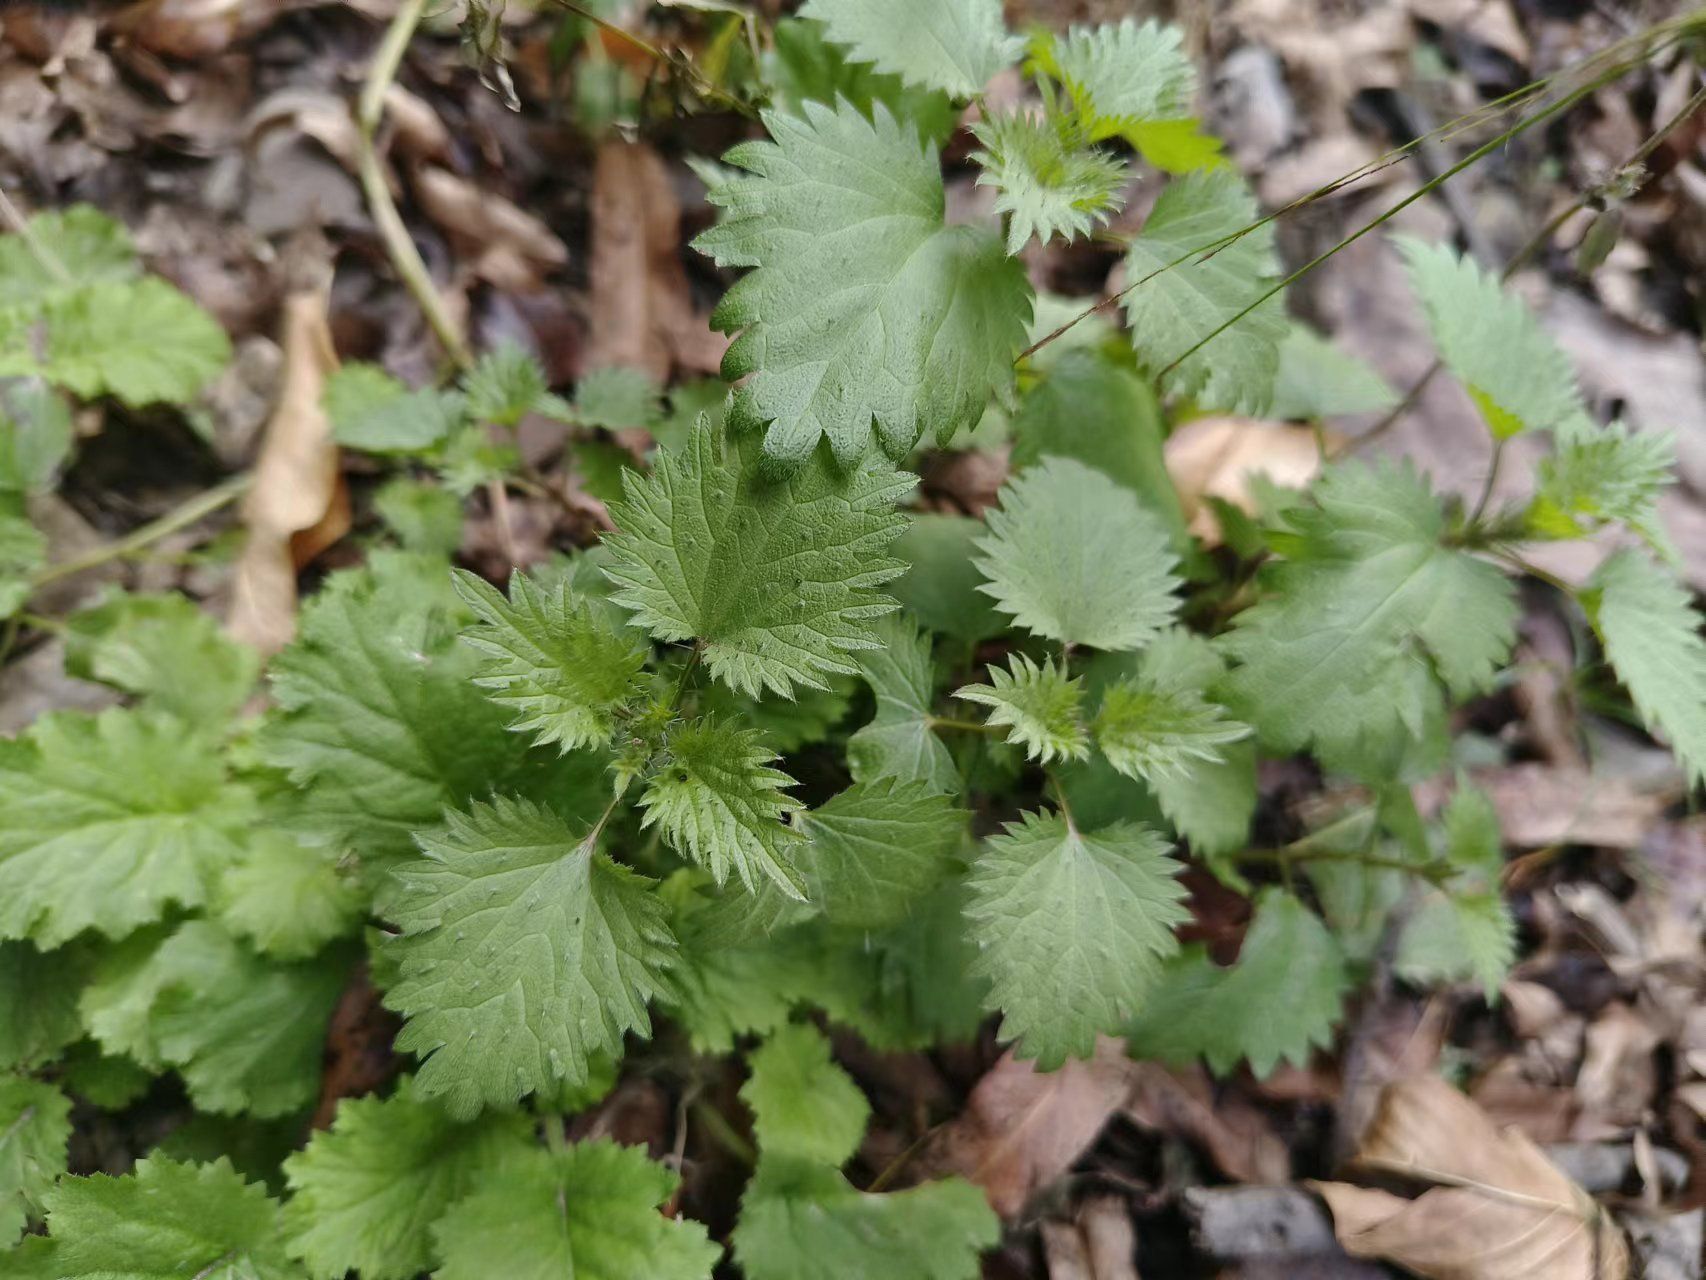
x=1180, y=295
x=863, y=305
x=35, y=1123
x=1150, y=731
x=590, y=1212
x=1280, y=1000
x=524, y=951
x=952, y=45
x=1603, y=476
x=804, y=1106
x=1073, y=557
x=1041, y=707
x=1651, y=633
x=1048, y=180
x=1464, y=929
x=776, y=577
x=1072, y=929
x=1515, y=373
x=552, y=659
x=718, y=801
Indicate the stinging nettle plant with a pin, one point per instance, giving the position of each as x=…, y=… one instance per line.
x=558, y=821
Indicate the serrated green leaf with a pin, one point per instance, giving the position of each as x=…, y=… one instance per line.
x=951, y=45
x=1133, y=80
x=35, y=434
x=1048, y=180
x=366, y=1193
x=1317, y=380
x=107, y=820
x=1600, y=476
x=85, y=243
x=424, y=517
x=505, y=385
x=717, y=801
x=1366, y=614
x=111, y=1081
x=590, y=1212
x=787, y=724
x=899, y=742
x=807, y=67
x=1517, y=376
x=1153, y=731
x=1072, y=930
x=23, y=551
x=138, y=340
x=381, y=726
x=800, y=1221
x=552, y=659
x=864, y=306
x=287, y=898
x=165, y=650
x=1651, y=633
x=1041, y=707
x=523, y=952
x=805, y=1107
x=1280, y=1000
x=35, y=1123
x=777, y=577
x=38, y=1001
x=164, y=1221
x=1458, y=937
x=941, y=588
x=1181, y=294
x=876, y=848
x=372, y=411
x=617, y=397
x=1072, y=556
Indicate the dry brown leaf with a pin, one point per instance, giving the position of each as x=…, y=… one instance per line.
x=644, y=314
x=1215, y=458
x=193, y=29
x=296, y=507
x=1496, y=1208
x=1618, y=1076
x=1023, y=1128
x=1541, y=805
x=1236, y=1135
x=510, y=248
x=1098, y=1244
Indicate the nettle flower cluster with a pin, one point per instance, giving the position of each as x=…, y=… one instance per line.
x=779, y=744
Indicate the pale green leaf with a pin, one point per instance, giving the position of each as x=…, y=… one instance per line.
x=287, y=898
x=717, y=801
x=616, y=397
x=23, y=551
x=165, y=650
x=372, y=411
x=141, y=341
x=1599, y=476
x=1458, y=937
x=1518, y=377
x=1072, y=930
x=366, y=1193
x=107, y=820
x=801, y=1221
x=1041, y=707
x=1073, y=556
x=1651, y=633
x=1048, y=180
x=777, y=576
x=35, y=434
x=1317, y=380
x=1367, y=608
x=1280, y=1000
x=899, y=742
x=166, y=1221
x=952, y=45
x=590, y=1213
x=942, y=587
x=878, y=847
x=1151, y=730
x=1181, y=293
x=864, y=306
x=523, y=952
x=805, y=1107
x=424, y=517
x=553, y=660
x=35, y=1122
x=85, y=243
x=506, y=384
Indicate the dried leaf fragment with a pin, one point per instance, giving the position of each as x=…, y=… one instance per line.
x=1496, y=1208
x=1216, y=458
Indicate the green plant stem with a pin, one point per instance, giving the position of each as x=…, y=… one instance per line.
x=197, y=508
x=724, y=1133
x=1290, y=855
x=963, y=726
x=399, y=245
x=1492, y=480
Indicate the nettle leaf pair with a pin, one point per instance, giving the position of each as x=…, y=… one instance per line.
x=865, y=308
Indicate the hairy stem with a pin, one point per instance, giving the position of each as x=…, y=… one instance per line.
x=199, y=507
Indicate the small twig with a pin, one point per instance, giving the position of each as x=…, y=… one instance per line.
x=1490, y=482
x=498, y=496
x=399, y=245
x=199, y=507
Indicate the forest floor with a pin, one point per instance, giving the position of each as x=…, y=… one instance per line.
x=221, y=132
